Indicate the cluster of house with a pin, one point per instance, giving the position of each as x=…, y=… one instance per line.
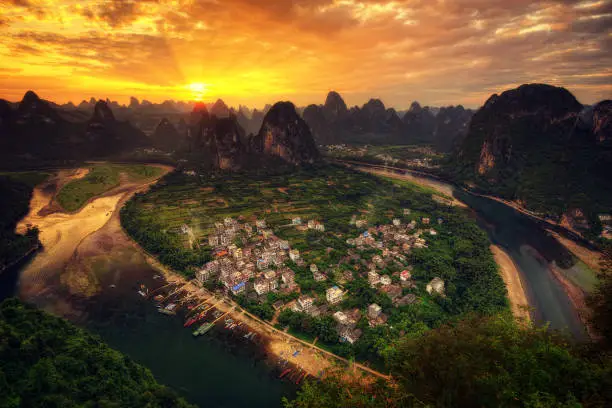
x=260, y=258
x=393, y=239
x=309, y=225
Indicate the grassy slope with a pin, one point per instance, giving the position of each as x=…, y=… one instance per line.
x=101, y=179
x=47, y=362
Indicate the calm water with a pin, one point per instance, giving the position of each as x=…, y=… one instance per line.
x=220, y=369
x=532, y=250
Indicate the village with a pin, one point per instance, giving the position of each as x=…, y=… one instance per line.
x=251, y=261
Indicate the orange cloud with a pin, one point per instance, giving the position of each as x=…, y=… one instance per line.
x=258, y=51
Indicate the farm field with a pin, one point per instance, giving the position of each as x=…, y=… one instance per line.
x=100, y=179
x=325, y=213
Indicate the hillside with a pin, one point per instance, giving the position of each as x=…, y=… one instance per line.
x=539, y=146
x=47, y=362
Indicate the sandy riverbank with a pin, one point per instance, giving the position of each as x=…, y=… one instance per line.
x=514, y=284
x=593, y=259
x=578, y=298
x=65, y=263
x=276, y=342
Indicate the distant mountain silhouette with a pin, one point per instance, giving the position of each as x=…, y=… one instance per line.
x=36, y=130
x=373, y=123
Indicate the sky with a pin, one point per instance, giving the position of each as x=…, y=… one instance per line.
x=253, y=52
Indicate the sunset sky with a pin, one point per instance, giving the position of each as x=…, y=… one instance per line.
x=253, y=52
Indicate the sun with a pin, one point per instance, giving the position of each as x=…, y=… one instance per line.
x=198, y=90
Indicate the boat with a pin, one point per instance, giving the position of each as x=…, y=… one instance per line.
x=203, y=329
x=166, y=311
x=159, y=298
x=284, y=373
x=141, y=293
x=190, y=322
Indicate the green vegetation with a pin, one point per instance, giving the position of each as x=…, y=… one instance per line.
x=478, y=362
x=403, y=156
x=47, y=362
x=100, y=179
x=16, y=192
x=459, y=253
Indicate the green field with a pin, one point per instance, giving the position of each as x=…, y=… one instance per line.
x=100, y=179
x=402, y=155
x=459, y=253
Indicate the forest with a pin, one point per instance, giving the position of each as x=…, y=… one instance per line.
x=47, y=362
x=477, y=362
x=16, y=192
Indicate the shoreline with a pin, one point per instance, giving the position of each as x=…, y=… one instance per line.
x=578, y=299
x=282, y=345
x=511, y=275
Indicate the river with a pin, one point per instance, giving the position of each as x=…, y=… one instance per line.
x=532, y=249
x=89, y=272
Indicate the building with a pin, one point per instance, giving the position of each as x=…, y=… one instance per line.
x=425, y=220
x=340, y=317
x=397, y=222
x=213, y=240
x=304, y=304
x=433, y=232
x=374, y=311
x=314, y=268
x=318, y=276
x=435, y=286
x=238, y=288
x=294, y=255
x=406, y=300
x=350, y=335
x=288, y=278
x=393, y=291
x=405, y=275
x=260, y=224
x=296, y=221
x=283, y=244
x=228, y=221
x=334, y=295
x=385, y=280
x=406, y=211
x=373, y=278
x=361, y=223
x=261, y=286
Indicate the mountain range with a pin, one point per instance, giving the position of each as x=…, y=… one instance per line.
x=539, y=146
x=373, y=123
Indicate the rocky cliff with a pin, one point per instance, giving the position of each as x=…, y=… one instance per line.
x=284, y=134
x=167, y=137
x=216, y=143
x=538, y=145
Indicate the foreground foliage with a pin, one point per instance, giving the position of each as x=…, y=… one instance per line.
x=48, y=362
x=15, y=195
x=481, y=362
